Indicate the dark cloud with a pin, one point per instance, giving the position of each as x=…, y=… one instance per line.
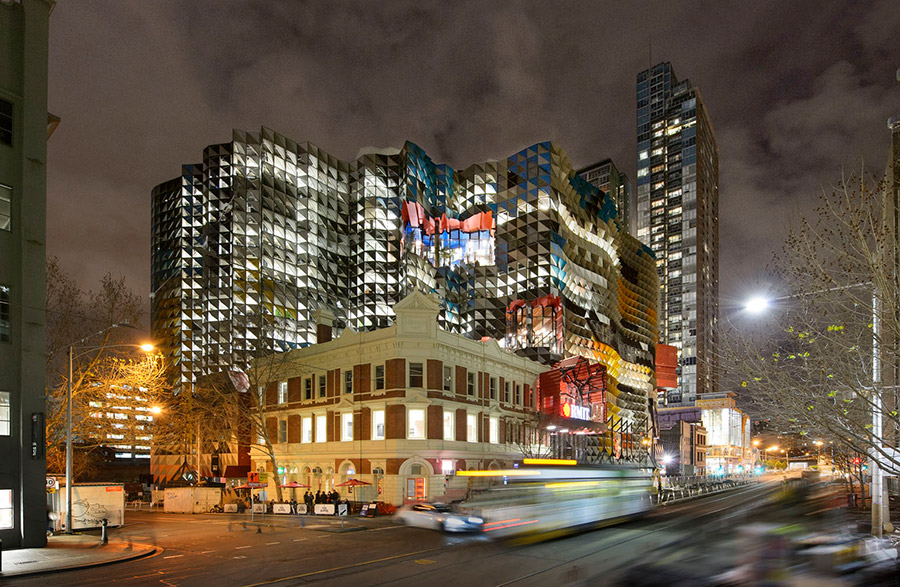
x=795, y=92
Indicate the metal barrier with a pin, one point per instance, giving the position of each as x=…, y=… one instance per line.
x=678, y=488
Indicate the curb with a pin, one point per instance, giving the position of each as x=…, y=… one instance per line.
x=153, y=550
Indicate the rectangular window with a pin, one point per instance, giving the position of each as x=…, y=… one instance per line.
x=6, y=509
x=379, y=377
x=5, y=420
x=471, y=428
x=493, y=388
x=518, y=394
x=449, y=428
x=415, y=374
x=261, y=395
x=448, y=378
x=494, y=429
x=5, y=319
x=470, y=383
x=321, y=429
x=6, y=125
x=306, y=429
x=506, y=391
x=346, y=427
x=322, y=382
x=282, y=430
x=348, y=381
x=5, y=207
x=282, y=392
x=416, y=424
x=307, y=388
x=378, y=425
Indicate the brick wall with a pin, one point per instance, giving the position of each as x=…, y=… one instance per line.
x=461, y=380
x=272, y=394
x=330, y=426
x=435, y=422
x=461, y=425
x=395, y=422
x=362, y=378
x=395, y=373
x=294, y=428
x=435, y=378
x=272, y=429
x=365, y=421
x=294, y=389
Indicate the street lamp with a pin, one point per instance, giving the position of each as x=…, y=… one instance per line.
x=758, y=304
x=144, y=347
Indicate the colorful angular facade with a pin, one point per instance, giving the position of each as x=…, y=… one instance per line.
x=252, y=242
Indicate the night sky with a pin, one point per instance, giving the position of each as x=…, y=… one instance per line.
x=796, y=92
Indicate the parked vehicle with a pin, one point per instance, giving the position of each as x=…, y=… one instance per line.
x=438, y=516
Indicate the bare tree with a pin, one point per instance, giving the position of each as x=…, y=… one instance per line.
x=109, y=375
x=827, y=356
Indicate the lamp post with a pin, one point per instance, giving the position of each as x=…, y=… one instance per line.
x=757, y=305
x=72, y=347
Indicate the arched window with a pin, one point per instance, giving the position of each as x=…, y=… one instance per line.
x=416, y=470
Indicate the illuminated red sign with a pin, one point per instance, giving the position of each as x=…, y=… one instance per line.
x=578, y=412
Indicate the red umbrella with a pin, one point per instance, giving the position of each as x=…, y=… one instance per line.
x=352, y=483
x=293, y=485
x=244, y=486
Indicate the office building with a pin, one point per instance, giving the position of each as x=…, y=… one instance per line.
x=251, y=242
x=24, y=129
x=677, y=217
x=607, y=177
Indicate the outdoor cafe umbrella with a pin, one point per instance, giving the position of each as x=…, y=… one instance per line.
x=293, y=485
x=351, y=483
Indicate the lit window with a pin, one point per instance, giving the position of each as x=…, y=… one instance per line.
x=5, y=320
x=416, y=424
x=415, y=374
x=470, y=383
x=321, y=429
x=471, y=428
x=348, y=381
x=282, y=430
x=322, y=382
x=494, y=428
x=5, y=207
x=379, y=377
x=282, y=392
x=6, y=509
x=5, y=421
x=306, y=429
x=378, y=425
x=448, y=378
x=449, y=428
x=346, y=427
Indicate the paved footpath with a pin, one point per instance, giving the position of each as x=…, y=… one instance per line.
x=67, y=552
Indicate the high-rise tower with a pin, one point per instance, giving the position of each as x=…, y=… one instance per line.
x=607, y=177
x=677, y=217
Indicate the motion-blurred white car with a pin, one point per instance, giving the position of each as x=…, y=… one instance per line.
x=438, y=516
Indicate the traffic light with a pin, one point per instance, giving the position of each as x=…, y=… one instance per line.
x=856, y=460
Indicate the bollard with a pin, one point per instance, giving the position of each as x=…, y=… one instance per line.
x=104, y=539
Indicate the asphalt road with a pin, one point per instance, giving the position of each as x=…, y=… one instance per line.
x=223, y=550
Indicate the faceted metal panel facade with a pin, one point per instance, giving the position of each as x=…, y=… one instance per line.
x=251, y=243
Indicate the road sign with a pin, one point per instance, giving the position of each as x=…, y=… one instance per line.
x=52, y=484
x=342, y=509
x=253, y=477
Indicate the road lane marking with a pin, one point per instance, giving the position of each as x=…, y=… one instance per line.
x=207, y=551
x=387, y=528
x=424, y=561
x=271, y=543
x=362, y=564
x=241, y=556
x=299, y=539
x=240, y=547
x=174, y=556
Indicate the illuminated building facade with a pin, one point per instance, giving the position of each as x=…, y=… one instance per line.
x=400, y=408
x=25, y=126
x=677, y=217
x=607, y=177
x=728, y=435
x=251, y=242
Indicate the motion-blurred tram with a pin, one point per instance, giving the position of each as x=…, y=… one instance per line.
x=548, y=497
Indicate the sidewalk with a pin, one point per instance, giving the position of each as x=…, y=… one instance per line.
x=66, y=552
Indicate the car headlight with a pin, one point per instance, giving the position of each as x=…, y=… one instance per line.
x=474, y=520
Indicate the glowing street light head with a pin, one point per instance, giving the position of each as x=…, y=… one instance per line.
x=155, y=410
x=756, y=305
x=666, y=459
x=772, y=448
x=147, y=347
